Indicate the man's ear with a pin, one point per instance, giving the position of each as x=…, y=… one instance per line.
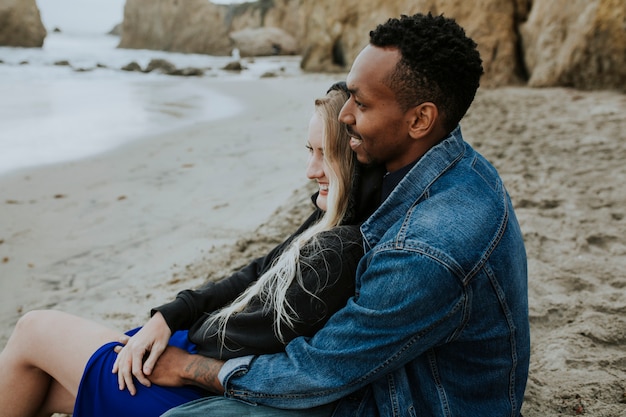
x=423, y=120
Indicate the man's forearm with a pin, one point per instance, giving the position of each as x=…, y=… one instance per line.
x=203, y=372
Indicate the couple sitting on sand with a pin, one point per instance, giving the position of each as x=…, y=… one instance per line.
x=402, y=294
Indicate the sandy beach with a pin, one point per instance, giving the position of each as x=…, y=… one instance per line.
x=111, y=236
x=100, y=236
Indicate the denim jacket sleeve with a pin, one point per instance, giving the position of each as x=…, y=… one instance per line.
x=407, y=301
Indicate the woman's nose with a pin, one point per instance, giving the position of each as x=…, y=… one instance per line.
x=315, y=167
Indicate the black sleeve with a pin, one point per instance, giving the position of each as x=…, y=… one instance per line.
x=328, y=270
x=190, y=305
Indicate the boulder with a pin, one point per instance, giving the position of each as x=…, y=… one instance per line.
x=116, y=30
x=190, y=26
x=132, y=67
x=576, y=43
x=188, y=72
x=264, y=41
x=20, y=24
x=233, y=66
x=160, y=65
x=199, y=26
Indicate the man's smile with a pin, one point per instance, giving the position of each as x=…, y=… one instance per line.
x=355, y=139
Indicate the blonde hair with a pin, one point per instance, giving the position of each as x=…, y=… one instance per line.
x=272, y=286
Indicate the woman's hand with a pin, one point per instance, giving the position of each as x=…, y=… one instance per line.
x=139, y=355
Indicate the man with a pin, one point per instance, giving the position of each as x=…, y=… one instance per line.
x=438, y=325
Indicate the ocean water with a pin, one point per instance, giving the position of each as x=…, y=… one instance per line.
x=53, y=113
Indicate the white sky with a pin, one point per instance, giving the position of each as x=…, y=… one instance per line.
x=86, y=16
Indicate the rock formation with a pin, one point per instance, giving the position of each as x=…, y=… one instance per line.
x=577, y=43
x=264, y=41
x=199, y=26
x=336, y=32
x=116, y=30
x=20, y=24
x=196, y=26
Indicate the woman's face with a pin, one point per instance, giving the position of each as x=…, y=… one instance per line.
x=316, y=166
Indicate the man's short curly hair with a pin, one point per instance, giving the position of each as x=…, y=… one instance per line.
x=438, y=63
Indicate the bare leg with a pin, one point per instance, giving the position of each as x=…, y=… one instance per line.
x=43, y=362
x=57, y=398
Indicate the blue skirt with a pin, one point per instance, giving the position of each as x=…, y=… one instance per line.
x=99, y=394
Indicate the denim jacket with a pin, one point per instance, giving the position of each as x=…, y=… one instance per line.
x=438, y=325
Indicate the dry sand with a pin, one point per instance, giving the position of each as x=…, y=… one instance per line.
x=111, y=236
x=562, y=155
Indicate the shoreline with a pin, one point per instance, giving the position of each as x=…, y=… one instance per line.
x=72, y=98
x=70, y=119
x=111, y=225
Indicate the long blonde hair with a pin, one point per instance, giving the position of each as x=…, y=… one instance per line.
x=272, y=286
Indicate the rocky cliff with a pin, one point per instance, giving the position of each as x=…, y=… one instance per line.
x=335, y=33
x=20, y=24
x=176, y=25
x=577, y=43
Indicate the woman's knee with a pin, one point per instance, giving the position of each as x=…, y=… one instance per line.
x=33, y=326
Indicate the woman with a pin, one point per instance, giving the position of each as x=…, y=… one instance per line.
x=290, y=292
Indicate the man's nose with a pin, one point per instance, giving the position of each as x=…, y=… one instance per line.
x=345, y=115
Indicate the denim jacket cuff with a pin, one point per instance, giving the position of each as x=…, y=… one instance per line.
x=233, y=367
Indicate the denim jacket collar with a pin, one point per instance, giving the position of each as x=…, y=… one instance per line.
x=435, y=162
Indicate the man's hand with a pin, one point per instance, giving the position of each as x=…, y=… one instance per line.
x=177, y=367
x=140, y=353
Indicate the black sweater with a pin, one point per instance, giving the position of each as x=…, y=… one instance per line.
x=252, y=331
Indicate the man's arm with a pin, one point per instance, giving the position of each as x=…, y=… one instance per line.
x=396, y=316
x=177, y=367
